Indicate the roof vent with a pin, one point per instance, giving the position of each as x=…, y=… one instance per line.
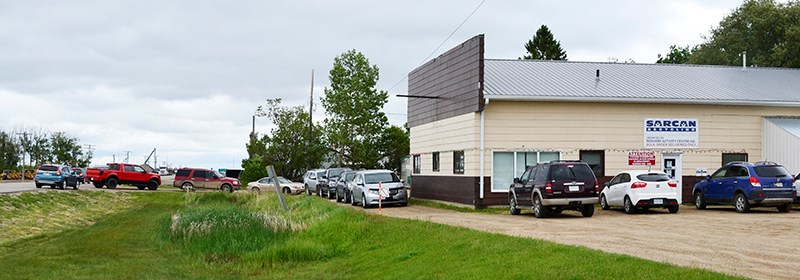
x=598, y=74
x=744, y=61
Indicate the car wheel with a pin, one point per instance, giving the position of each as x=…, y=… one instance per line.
x=60, y=186
x=338, y=198
x=98, y=185
x=673, y=209
x=187, y=187
x=587, y=210
x=226, y=188
x=152, y=185
x=741, y=203
x=319, y=192
x=785, y=208
x=256, y=190
x=353, y=200
x=604, y=203
x=112, y=183
x=38, y=186
x=629, y=208
x=539, y=210
x=141, y=188
x=512, y=205
x=308, y=191
x=347, y=198
x=331, y=194
x=286, y=191
x=700, y=200
x=364, y=202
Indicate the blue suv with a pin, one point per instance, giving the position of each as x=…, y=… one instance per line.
x=745, y=185
x=56, y=176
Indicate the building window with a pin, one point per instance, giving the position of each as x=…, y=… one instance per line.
x=436, y=162
x=458, y=162
x=509, y=165
x=596, y=160
x=417, y=164
x=731, y=157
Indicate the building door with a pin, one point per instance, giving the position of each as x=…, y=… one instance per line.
x=671, y=164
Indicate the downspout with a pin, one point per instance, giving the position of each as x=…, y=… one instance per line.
x=480, y=181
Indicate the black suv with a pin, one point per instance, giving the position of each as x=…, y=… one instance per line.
x=327, y=187
x=554, y=187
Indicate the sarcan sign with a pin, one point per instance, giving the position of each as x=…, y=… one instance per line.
x=670, y=133
x=647, y=158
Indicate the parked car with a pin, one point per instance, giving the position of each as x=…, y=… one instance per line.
x=287, y=187
x=746, y=185
x=115, y=174
x=56, y=176
x=554, y=187
x=81, y=174
x=328, y=181
x=311, y=180
x=344, y=187
x=643, y=189
x=368, y=184
x=190, y=179
x=797, y=188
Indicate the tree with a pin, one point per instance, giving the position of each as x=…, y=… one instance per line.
x=544, y=46
x=396, y=147
x=67, y=150
x=9, y=152
x=676, y=55
x=768, y=31
x=355, y=124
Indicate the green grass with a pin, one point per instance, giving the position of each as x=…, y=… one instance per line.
x=463, y=209
x=243, y=236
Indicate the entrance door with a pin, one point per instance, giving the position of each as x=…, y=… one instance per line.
x=671, y=164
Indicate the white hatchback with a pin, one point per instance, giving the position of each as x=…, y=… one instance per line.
x=640, y=189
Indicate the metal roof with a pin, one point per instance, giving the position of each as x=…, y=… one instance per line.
x=791, y=125
x=656, y=83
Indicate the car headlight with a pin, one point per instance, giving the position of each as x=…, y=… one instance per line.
x=375, y=192
x=236, y=183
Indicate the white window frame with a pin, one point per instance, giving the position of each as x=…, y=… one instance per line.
x=538, y=160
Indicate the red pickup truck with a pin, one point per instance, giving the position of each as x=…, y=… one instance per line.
x=123, y=173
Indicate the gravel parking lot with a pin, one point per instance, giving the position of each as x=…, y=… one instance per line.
x=763, y=244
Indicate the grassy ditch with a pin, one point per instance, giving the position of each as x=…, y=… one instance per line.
x=30, y=214
x=245, y=236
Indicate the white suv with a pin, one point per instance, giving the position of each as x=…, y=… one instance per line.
x=311, y=180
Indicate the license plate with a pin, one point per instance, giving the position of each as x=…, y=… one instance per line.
x=46, y=182
x=574, y=188
x=778, y=184
x=658, y=201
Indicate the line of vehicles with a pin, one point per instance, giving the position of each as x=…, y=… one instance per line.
x=555, y=186
x=367, y=188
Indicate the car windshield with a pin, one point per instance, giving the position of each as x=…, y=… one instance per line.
x=773, y=171
x=571, y=172
x=335, y=172
x=283, y=180
x=349, y=177
x=653, y=177
x=48, y=168
x=218, y=174
x=387, y=177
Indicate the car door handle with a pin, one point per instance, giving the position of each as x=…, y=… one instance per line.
x=735, y=182
x=719, y=183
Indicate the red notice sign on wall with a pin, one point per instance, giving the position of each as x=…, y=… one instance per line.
x=642, y=158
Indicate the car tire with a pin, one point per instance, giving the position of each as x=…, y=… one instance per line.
x=338, y=198
x=112, y=183
x=785, y=208
x=187, y=187
x=60, y=186
x=673, y=209
x=308, y=191
x=364, y=202
x=286, y=190
x=347, y=197
x=512, y=205
x=331, y=194
x=226, y=188
x=740, y=203
x=539, y=210
x=604, y=203
x=152, y=185
x=319, y=191
x=255, y=190
x=587, y=210
x=700, y=200
x=98, y=185
x=141, y=188
x=38, y=186
x=353, y=200
x=628, y=206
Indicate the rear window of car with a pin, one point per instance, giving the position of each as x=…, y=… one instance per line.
x=182, y=173
x=772, y=171
x=381, y=177
x=335, y=172
x=653, y=177
x=580, y=172
x=48, y=168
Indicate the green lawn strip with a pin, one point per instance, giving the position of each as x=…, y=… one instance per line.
x=463, y=209
x=180, y=235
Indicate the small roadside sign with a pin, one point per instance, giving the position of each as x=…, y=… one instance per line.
x=642, y=158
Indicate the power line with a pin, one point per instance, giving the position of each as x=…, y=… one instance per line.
x=441, y=44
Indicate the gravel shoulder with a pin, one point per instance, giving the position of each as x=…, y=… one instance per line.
x=763, y=244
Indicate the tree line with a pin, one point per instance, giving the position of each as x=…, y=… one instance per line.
x=355, y=134
x=33, y=147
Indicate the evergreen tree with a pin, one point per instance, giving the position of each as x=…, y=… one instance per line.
x=544, y=46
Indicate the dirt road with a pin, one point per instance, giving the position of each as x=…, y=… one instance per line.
x=763, y=244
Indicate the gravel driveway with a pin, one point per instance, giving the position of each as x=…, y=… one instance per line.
x=763, y=244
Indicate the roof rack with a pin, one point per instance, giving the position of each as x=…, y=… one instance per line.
x=561, y=160
x=765, y=162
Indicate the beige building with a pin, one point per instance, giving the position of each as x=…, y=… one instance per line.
x=473, y=118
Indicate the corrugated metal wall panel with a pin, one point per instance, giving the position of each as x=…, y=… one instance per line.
x=780, y=146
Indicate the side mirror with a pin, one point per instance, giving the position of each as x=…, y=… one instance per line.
x=708, y=177
x=216, y=177
x=606, y=184
x=516, y=180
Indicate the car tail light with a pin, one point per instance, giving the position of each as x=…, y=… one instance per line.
x=755, y=182
x=596, y=187
x=638, y=185
x=58, y=172
x=548, y=188
x=672, y=184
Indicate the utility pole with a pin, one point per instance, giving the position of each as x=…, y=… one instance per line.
x=127, y=156
x=155, y=159
x=310, y=121
x=22, y=153
x=90, y=148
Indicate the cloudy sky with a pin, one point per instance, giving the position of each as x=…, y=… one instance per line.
x=186, y=76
